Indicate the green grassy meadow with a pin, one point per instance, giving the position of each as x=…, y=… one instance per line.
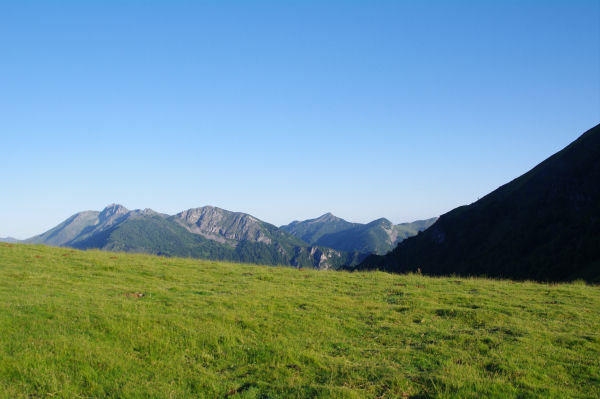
x=71, y=327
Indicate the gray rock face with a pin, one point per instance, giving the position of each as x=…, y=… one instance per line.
x=111, y=214
x=321, y=258
x=221, y=225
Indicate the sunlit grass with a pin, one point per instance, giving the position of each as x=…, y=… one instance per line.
x=68, y=328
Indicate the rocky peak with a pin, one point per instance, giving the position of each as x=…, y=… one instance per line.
x=112, y=212
x=204, y=213
x=217, y=224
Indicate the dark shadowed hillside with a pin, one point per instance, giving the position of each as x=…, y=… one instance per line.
x=544, y=225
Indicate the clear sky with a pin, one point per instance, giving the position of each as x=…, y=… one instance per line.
x=285, y=109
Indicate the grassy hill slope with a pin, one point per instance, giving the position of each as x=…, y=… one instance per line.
x=72, y=325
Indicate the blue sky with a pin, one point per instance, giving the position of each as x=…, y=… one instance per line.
x=285, y=110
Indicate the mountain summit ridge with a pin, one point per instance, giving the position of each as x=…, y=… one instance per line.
x=220, y=224
x=205, y=232
x=378, y=236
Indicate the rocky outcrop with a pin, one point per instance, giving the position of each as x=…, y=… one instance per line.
x=221, y=225
x=111, y=214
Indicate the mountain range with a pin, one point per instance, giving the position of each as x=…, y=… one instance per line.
x=543, y=225
x=378, y=237
x=213, y=233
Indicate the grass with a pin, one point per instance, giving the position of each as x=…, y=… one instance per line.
x=71, y=326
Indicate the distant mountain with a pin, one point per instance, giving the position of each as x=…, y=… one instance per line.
x=232, y=227
x=75, y=226
x=8, y=239
x=207, y=232
x=379, y=236
x=544, y=225
x=313, y=229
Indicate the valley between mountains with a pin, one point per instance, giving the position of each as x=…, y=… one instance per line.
x=208, y=232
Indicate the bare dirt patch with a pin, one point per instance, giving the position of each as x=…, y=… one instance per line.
x=134, y=294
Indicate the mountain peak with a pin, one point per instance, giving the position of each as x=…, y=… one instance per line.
x=220, y=224
x=327, y=217
x=114, y=206
x=192, y=215
x=112, y=211
x=380, y=221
